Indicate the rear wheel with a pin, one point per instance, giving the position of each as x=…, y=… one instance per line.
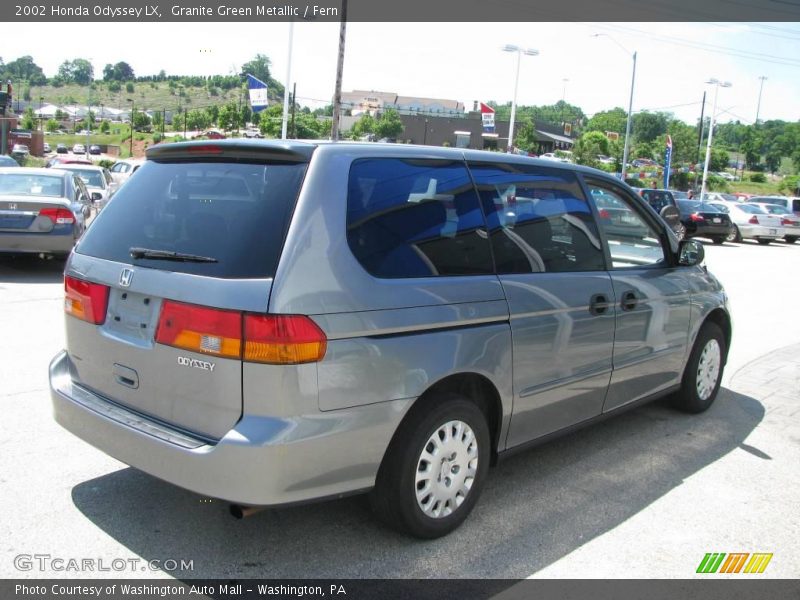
x=701, y=379
x=790, y=239
x=434, y=469
x=764, y=242
x=718, y=240
x=680, y=231
x=734, y=236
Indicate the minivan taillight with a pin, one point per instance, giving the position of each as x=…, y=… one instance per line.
x=85, y=300
x=283, y=339
x=753, y=220
x=59, y=216
x=274, y=339
x=200, y=329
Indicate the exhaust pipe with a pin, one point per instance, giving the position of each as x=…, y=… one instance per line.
x=241, y=512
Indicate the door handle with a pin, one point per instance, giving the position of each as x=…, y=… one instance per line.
x=598, y=305
x=629, y=300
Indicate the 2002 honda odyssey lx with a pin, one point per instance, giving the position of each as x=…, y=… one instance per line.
x=270, y=323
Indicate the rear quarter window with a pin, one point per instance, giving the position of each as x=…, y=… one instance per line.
x=236, y=213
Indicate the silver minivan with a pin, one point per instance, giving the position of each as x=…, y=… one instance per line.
x=271, y=323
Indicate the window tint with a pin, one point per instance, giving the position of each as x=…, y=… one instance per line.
x=415, y=218
x=538, y=218
x=236, y=213
x=632, y=241
x=658, y=199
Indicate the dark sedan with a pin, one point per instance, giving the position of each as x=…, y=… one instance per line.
x=704, y=220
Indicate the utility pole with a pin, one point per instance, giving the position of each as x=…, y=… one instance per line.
x=285, y=117
x=758, y=106
x=702, y=129
x=294, y=105
x=337, y=95
x=133, y=115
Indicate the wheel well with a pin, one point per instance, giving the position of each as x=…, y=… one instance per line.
x=721, y=319
x=479, y=390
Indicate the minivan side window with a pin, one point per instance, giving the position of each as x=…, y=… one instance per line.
x=538, y=218
x=631, y=240
x=415, y=218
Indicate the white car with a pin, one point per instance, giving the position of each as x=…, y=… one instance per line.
x=98, y=181
x=554, y=157
x=123, y=169
x=726, y=176
x=790, y=221
x=79, y=149
x=751, y=222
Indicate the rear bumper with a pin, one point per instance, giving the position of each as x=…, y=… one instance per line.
x=710, y=230
x=262, y=461
x=51, y=243
x=761, y=232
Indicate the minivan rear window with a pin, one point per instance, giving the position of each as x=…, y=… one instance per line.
x=232, y=212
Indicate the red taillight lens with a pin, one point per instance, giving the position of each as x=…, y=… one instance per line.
x=753, y=220
x=604, y=214
x=283, y=339
x=200, y=329
x=85, y=301
x=59, y=216
x=696, y=217
x=274, y=339
x=787, y=222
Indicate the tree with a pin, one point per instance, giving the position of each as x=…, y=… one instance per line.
x=258, y=67
x=24, y=69
x=229, y=117
x=269, y=121
x=121, y=71
x=719, y=159
x=589, y=146
x=364, y=126
x=105, y=127
x=648, y=126
x=28, y=120
x=388, y=124
x=129, y=88
x=610, y=120
x=51, y=125
x=82, y=71
x=773, y=160
x=140, y=120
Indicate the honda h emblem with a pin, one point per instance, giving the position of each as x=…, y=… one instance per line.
x=12, y=206
x=126, y=277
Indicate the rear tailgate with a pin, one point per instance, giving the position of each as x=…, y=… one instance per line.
x=167, y=342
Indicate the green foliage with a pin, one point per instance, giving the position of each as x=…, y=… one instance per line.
x=648, y=126
x=258, y=67
x=28, y=120
x=121, y=71
x=23, y=69
x=609, y=120
x=140, y=120
x=26, y=93
x=51, y=125
x=365, y=125
x=105, y=127
x=129, y=87
x=105, y=163
x=78, y=71
x=758, y=178
x=719, y=159
x=114, y=86
x=588, y=146
x=388, y=124
x=790, y=185
x=156, y=138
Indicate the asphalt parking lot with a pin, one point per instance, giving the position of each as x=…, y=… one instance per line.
x=646, y=494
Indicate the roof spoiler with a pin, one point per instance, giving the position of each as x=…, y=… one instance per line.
x=238, y=148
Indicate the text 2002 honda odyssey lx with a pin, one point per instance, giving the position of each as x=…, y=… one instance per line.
x=270, y=323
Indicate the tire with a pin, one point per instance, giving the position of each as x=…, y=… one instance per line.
x=734, y=236
x=718, y=240
x=703, y=373
x=764, y=242
x=680, y=231
x=395, y=499
x=790, y=239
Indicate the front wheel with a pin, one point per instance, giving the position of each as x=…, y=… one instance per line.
x=790, y=239
x=734, y=236
x=434, y=469
x=764, y=242
x=680, y=231
x=703, y=374
x=718, y=240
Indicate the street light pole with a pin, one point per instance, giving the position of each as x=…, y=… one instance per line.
x=630, y=104
x=760, y=89
x=717, y=84
x=520, y=52
x=285, y=120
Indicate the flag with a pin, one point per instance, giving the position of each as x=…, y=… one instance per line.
x=667, y=161
x=487, y=116
x=258, y=93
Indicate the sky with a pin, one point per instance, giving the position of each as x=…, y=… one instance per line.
x=465, y=61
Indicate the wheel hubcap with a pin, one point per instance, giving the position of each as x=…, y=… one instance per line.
x=446, y=469
x=708, y=369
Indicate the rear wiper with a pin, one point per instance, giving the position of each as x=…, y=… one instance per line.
x=169, y=255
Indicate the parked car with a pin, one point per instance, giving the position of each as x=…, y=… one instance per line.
x=46, y=147
x=7, y=161
x=95, y=149
x=791, y=204
x=252, y=133
x=278, y=322
x=726, y=176
x=79, y=149
x=98, y=181
x=20, y=151
x=664, y=203
x=55, y=161
x=123, y=169
x=789, y=220
x=213, y=134
x=643, y=162
x=751, y=222
x=42, y=211
x=705, y=220
x=62, y=149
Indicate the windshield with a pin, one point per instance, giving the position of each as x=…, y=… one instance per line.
x=90, y=177
x=234, y=213
x=25, y=184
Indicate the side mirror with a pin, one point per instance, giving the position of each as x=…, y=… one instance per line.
x=96, y=196
x=690, y=253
